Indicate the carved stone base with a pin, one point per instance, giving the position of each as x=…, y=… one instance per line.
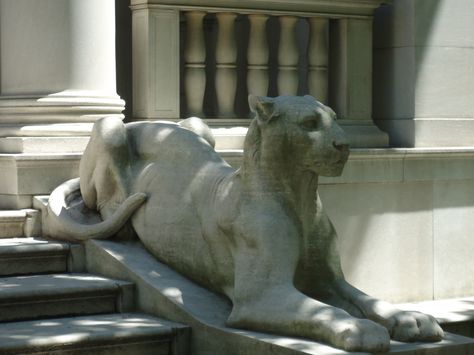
x=163, y=292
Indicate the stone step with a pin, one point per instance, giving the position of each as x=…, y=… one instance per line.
x=128, y=333
x=56, y=295
x=23, y=256
x=19, y=223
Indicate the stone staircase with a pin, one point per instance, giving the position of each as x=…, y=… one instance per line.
x=49, y=305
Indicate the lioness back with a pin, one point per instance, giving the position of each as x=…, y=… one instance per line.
x=179, y=171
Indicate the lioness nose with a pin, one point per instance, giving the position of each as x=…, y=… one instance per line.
x=340, y=146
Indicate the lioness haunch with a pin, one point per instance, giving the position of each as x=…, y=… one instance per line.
x=258, y=235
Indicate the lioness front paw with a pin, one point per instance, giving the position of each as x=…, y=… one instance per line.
x=361, y=335
x=409, y=326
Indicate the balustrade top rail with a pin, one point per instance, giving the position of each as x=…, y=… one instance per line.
x=334, y=8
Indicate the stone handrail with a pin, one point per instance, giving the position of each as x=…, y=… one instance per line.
x=304, y=8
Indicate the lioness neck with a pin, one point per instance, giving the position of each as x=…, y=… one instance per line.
x=295, y=188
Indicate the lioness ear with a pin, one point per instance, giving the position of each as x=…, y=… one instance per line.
x=264, y=107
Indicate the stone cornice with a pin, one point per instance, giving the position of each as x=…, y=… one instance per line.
x=336, y=8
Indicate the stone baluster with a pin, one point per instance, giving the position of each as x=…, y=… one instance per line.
x=318, y=54
x=226, y=57
x=194, y=58
x=288, y=57
x=257, y=56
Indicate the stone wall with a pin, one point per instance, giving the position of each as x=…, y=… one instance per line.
x=423, y=74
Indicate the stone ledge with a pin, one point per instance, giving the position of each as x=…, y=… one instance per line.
x=16, y=145
x=25, y=175
x=381, y=165
x=19, y=223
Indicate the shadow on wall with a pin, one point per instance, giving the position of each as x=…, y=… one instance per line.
x=400, y=39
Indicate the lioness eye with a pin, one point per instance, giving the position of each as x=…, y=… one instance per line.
x=310, y=124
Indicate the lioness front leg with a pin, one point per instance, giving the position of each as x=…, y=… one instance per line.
x=402, y=325
x=320, y=276
x=265, y=299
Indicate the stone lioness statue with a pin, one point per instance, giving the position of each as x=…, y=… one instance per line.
x=258, y=235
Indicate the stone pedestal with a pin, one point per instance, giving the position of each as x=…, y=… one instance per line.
x=57, y=76
x=165, y=293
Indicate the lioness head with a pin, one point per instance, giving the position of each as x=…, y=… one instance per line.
x=300, y=131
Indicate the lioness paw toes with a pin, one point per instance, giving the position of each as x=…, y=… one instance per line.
x=415, y=326
x=362, y=335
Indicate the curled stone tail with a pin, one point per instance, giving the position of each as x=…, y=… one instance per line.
x=58, y=223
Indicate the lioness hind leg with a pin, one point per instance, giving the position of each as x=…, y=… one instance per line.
x=105, y=164
x=402, y=325
x=105, y=169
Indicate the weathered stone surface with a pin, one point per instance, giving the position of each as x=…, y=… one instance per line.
x=258, y=235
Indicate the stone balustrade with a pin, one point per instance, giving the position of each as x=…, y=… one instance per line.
x=187, y=58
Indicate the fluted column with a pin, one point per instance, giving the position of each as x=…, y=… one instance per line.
x=226, y=56
x=194, y=57
x=57, y=63
x=257, y=56
x=288, y=57
x=318, y=56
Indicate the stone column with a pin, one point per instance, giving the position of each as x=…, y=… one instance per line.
x=57, y=60
x=57, y=76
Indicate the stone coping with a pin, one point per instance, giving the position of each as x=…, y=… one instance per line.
x=382, y=165
x=337, y=8
x=396, y=165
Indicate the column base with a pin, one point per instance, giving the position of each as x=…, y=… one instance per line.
x=56, y=123
x=65, y=107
